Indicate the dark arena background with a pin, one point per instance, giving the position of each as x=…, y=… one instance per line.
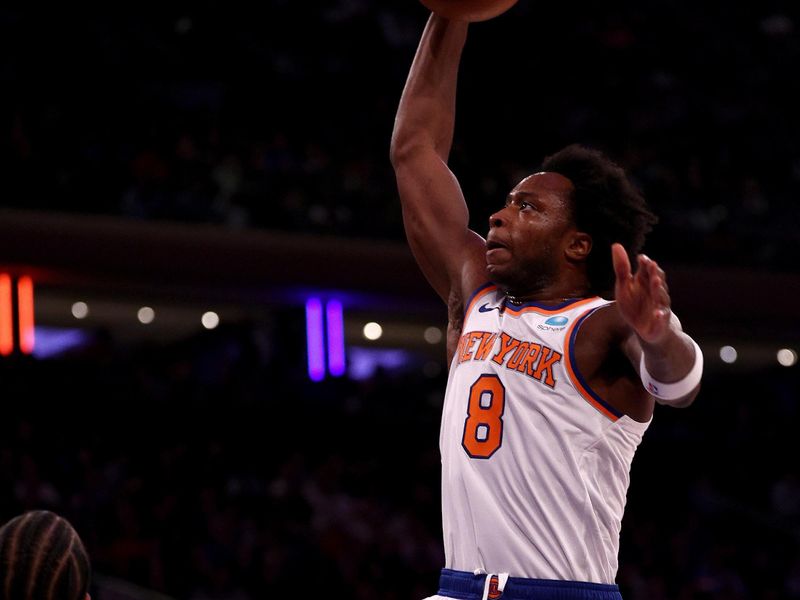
x=218, y=358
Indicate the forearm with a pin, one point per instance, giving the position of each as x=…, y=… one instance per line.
x=426, y=114
x=670, y=363
x=673, y=363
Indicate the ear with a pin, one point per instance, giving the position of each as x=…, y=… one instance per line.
x=579, y=246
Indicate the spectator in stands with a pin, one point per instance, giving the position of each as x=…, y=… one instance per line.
x=42, y=558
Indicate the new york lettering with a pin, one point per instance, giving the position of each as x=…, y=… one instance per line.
x=532, y=359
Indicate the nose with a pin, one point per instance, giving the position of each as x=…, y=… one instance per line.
x=496, y=220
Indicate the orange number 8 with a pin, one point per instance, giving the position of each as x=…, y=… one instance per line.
x=483, y=429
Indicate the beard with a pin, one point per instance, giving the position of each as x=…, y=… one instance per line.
x=526, y=276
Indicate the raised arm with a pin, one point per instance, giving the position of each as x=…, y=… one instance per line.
x=670, y=362
x=435, y=214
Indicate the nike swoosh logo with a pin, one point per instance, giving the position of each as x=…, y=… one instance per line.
x=487, y=308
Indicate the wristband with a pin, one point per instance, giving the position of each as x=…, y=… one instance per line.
x=677, y=389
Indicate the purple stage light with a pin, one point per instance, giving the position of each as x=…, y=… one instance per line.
x=336, y=354
x=314, y=340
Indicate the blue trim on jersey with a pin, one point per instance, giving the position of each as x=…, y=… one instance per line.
x=467, y=586
x=575, y=370
x=566, y=304
x=474, y=294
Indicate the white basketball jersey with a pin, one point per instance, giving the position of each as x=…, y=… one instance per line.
x=535, y=465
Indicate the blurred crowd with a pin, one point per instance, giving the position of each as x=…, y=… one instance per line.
x=279, y=116
x=209, y=470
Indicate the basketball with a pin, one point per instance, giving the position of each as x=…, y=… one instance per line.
x=469, y=10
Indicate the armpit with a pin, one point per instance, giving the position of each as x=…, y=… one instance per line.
x=455, y=322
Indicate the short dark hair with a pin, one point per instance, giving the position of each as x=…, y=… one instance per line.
x=42, y=557
x=606, y=205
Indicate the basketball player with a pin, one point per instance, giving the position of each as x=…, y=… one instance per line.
x=42, y=558
x=551, y=387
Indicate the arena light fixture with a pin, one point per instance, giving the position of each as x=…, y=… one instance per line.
x=80, y=310
x=433, y=335
x=146, y=315
x=315, y=343
x=373, y=331
x=325, y=338
x=210, y=319
x=6, y=316
x=787, y=357
x=334, y=315
x=728, y=354
x=16, y=314
x=25, y=312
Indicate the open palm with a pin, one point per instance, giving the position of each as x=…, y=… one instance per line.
x=643, y=297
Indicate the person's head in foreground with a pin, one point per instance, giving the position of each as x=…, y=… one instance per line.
x=42, y=558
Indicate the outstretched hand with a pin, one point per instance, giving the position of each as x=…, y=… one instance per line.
x=643, y=298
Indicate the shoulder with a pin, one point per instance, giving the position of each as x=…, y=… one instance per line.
x=606, y=353
x=604, y=333
x=606, y=323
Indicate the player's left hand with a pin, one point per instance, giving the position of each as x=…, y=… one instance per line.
x=643, y=298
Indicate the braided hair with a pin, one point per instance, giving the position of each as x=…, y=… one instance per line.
x=42, y=558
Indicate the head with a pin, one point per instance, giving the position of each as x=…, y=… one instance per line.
x=560, y=224
x=42, y=558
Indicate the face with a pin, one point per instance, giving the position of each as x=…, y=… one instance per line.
x=527, y=237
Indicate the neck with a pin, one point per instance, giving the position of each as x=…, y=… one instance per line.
x=548, y=285
x=552, y=295
x=550, y=300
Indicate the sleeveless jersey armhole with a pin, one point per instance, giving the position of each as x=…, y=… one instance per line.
x=576, y=377
x=479, y=293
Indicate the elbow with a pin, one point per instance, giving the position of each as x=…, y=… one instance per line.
x=403, y=149
x=401, y=141
x=410, y=143
x=396, y=153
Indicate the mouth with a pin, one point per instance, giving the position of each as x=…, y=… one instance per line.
x=494, y=245
x=496, y=253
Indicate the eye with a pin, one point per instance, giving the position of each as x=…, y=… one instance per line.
x=523, y=205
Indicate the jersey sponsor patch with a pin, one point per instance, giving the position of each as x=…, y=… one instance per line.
x=553, y=324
